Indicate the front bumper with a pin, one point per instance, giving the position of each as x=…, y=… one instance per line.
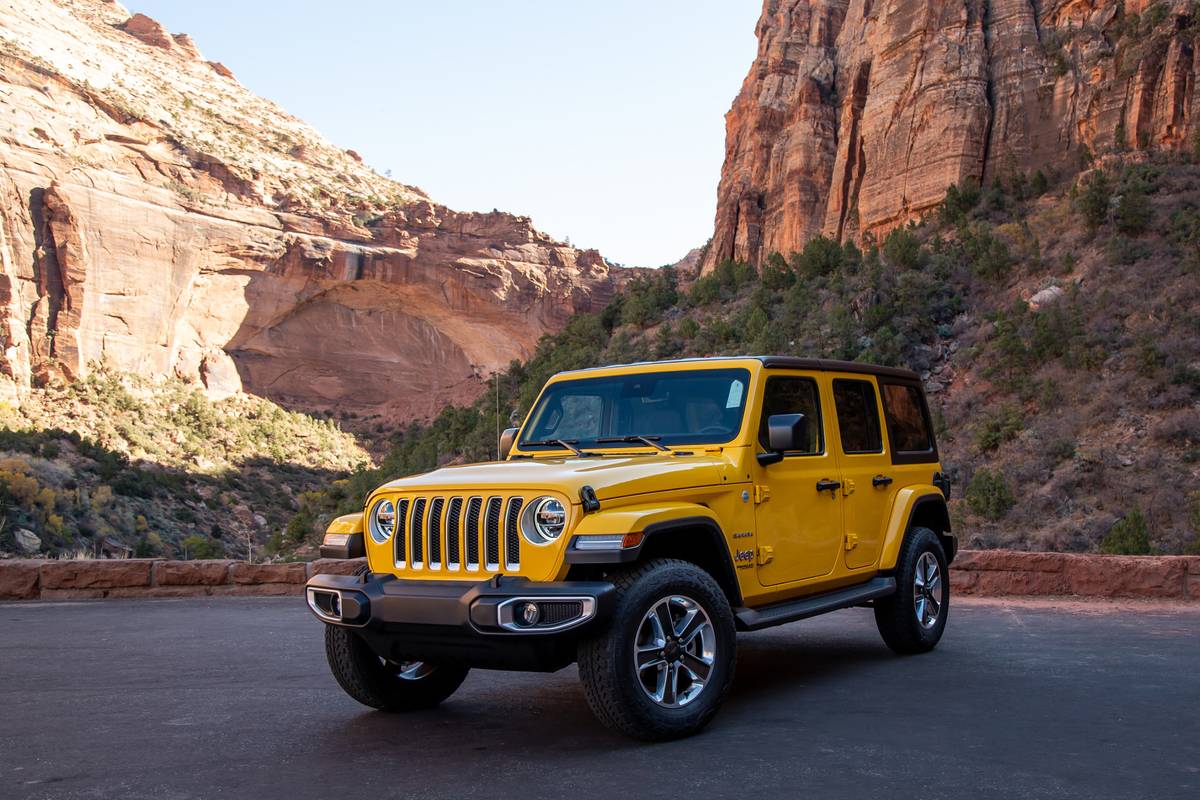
x=476, y=624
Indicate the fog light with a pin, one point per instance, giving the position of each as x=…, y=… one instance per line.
x=335, y=605
x=530, y=614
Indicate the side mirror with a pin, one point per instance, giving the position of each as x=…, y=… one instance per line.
x=785, y=432
x=506, y=442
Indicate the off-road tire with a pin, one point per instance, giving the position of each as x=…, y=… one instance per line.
x=896, y=615
x=606, y=659
x=375, y=683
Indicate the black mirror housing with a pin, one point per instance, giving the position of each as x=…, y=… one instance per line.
x=507, y=438
x=786, y=432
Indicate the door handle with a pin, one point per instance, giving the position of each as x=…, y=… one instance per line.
x=828, y=485
x=881, y=480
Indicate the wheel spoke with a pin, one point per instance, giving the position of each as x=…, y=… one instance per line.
x=699, y=666
x=934, y=584
x=692, y=624
x=649, y=656
x=671, y=684
x=919, y=577
x=921, y=609
x=662, y=615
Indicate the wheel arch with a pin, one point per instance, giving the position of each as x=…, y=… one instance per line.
x=696, y=538
x=920, y=507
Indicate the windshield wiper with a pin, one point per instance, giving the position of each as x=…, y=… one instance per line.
x=566, y=444
x=646, y=440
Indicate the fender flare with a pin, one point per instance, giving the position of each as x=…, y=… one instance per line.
x=657, y=532
x=909, y=501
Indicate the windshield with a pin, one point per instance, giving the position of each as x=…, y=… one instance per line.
x=666, y=408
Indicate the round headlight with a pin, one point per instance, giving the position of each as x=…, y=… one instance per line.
x=383, y=521
x=544, y=520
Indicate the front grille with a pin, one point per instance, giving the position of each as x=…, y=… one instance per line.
x=457, y=532
x=491, y=533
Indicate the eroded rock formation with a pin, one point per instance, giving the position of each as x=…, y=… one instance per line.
x=858, y=114
x=157, y=216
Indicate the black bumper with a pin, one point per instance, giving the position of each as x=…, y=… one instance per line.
x=476, y=624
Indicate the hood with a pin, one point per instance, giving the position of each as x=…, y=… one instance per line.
x=611, y=476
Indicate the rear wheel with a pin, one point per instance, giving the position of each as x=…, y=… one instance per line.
x=383, y=684
x=912, y=620
x=662, y=667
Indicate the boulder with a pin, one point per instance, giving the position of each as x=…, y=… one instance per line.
x=28, y=541
x=191, y=573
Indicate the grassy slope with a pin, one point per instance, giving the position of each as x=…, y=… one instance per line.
x=158, y=466
x=1073, y=426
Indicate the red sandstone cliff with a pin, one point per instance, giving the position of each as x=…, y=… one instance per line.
x=856, y=115
x=157, y=216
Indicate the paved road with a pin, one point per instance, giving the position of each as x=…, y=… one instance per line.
x=231, y=698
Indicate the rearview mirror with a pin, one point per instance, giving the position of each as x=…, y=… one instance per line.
x=785, y=432
x=506, y=442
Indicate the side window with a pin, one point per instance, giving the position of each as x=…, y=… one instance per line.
x=858, y=416
x=908, y=426
x=787, y=395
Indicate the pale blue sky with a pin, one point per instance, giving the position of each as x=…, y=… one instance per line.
x=604, y=121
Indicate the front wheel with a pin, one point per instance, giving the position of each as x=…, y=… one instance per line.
x=383, y=684
x=664, y=664
x=912, y=620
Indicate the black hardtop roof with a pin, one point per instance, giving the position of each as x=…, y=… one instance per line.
x=785, y=362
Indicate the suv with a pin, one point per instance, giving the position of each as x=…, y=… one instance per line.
x=641, y=517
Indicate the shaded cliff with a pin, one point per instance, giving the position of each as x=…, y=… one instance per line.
x=856, y=116
x=158, y=217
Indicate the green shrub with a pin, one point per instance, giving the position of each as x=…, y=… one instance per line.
x=959, y=202
x=820, y=256
x=903, y=250
x=988, y=494
x=1093, y=198
x=1132, y=213
x=1129, y=536
x=999, y=427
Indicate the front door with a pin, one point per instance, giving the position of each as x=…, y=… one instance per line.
x=868, y=484
x=799, y=526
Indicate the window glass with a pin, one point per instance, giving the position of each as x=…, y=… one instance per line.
x=692, y=407
x=785, y=395
x=906, y=419
x=858, y=416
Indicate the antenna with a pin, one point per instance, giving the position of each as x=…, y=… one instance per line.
x=497, y=377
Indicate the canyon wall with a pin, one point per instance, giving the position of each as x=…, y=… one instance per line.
x=858, y=114
x=159, y=218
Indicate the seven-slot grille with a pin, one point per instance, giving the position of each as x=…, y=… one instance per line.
x=457, y=532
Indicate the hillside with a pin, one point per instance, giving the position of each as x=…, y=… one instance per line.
x=1056, y=323
x=159, y=218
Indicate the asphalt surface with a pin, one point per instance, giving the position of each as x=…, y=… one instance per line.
x=232, y=698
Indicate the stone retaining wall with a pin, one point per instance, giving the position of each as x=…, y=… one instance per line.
x=992, y=573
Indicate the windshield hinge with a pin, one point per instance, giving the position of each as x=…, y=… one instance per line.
x=851, y=541
x=766, y=554
x=762, y=494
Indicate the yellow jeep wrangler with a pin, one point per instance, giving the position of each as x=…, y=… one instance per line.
x=639, y=518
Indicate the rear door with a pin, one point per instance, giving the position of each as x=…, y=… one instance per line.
x=868, y=482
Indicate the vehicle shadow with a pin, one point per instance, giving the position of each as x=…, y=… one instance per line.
x=514, y=715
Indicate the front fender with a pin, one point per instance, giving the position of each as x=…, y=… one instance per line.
x=904, y=506
x=344, y=538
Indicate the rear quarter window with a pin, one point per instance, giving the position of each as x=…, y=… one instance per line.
x=908, y=422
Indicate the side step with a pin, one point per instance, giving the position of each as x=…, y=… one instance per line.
x=754, y=619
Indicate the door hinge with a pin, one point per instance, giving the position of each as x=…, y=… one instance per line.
x=766, y=554
x=847, y=487
x=851, y=541
x=762, y=494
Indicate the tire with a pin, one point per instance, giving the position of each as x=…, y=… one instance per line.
x=907, y=624
x=619, y=694
x=382, y=684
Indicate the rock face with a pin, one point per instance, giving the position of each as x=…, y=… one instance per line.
x=158, y=217
x=858, y=114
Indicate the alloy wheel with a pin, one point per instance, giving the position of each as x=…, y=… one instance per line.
x=927, y=590
x=675, y=651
